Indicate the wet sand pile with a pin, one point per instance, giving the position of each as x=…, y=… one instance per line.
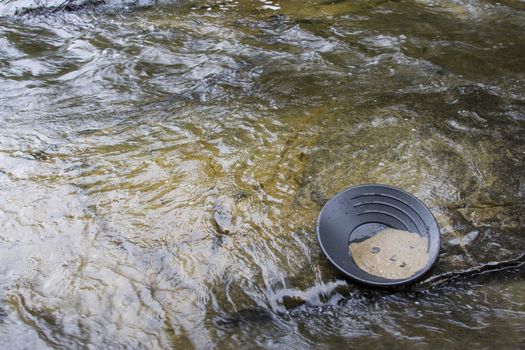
x=392, y=254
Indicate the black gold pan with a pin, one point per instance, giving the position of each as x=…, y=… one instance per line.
x=361, y=211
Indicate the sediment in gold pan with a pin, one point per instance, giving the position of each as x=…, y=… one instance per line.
x=392, y=254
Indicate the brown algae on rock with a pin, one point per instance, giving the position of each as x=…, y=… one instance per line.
x=392, y=254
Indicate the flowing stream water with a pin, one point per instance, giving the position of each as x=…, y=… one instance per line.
x=162, y=166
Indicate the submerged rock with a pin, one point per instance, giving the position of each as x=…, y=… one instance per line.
x=246, y=316
x=468, y=168
x=292, y=301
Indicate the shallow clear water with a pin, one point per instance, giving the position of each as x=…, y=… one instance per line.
x=162, y=168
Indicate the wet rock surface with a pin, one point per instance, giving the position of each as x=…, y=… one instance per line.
x=43, y=7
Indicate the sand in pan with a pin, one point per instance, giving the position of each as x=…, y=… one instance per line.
x=392, y=254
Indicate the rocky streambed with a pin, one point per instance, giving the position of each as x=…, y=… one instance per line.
x=162, y=168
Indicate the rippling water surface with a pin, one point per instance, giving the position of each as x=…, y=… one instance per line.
x=162, y=168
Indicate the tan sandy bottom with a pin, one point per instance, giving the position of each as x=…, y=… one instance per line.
x=392, y=254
